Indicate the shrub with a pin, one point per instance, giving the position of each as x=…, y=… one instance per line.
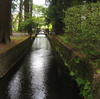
x=82, y=28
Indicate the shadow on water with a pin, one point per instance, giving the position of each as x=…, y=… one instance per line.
x=39, y=75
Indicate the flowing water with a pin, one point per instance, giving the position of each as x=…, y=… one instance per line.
x=38, y=76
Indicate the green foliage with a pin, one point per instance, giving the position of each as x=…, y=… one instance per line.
x=57, y=48
x=14, y=23
x=39, y=12
x=14, y=5
x=38, y=9
x=34, y=22
x=55, y=14
x=82, y=28
x=84, y=88
x=17, y=38
x=79, y=81
x=67, y=65
x=72, y=73
x=76, y=2
x=95, y=62
x=98, y=71
x=28, y=24
x=63, y=37
x=77, y=60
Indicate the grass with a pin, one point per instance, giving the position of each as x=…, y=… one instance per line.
x=17, y=38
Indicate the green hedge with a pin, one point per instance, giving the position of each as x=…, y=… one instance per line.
x=82, y=28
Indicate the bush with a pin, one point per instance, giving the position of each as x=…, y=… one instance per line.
x=82, y=28
x=28, y=24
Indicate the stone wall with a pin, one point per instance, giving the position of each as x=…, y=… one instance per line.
x=80, y=68
x=9, y=56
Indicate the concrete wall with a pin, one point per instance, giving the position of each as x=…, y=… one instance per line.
x=9, y=56
x=83, y=72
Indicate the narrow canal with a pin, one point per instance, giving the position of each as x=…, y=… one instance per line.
x=38, y=75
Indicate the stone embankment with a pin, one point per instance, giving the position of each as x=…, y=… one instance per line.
x=80, y=69
x=11, y=54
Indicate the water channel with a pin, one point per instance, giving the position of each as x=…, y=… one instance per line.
x=38, y=75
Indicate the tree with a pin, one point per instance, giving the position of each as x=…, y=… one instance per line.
x=55, y=14
x=20, y=14
x=26, y=8
x=28, y=14
x=92, y=0
x=33, y=16
x=30, y=7
x=5, y=21
x=39, y=11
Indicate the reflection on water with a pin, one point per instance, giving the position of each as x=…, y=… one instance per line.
x=39, y=65
x=36, y=67
x=14, y=86
x=37, y=76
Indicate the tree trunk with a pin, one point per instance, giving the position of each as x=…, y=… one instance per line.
x=27, y=14
x=26, y=10
x=5, y=21
x=31, y=3
x=30, y=11
x=20, y=14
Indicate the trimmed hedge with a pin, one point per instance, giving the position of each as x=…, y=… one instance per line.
x=82, y=28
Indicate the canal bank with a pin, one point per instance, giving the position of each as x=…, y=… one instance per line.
x=82, y=72
x=12, y=53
